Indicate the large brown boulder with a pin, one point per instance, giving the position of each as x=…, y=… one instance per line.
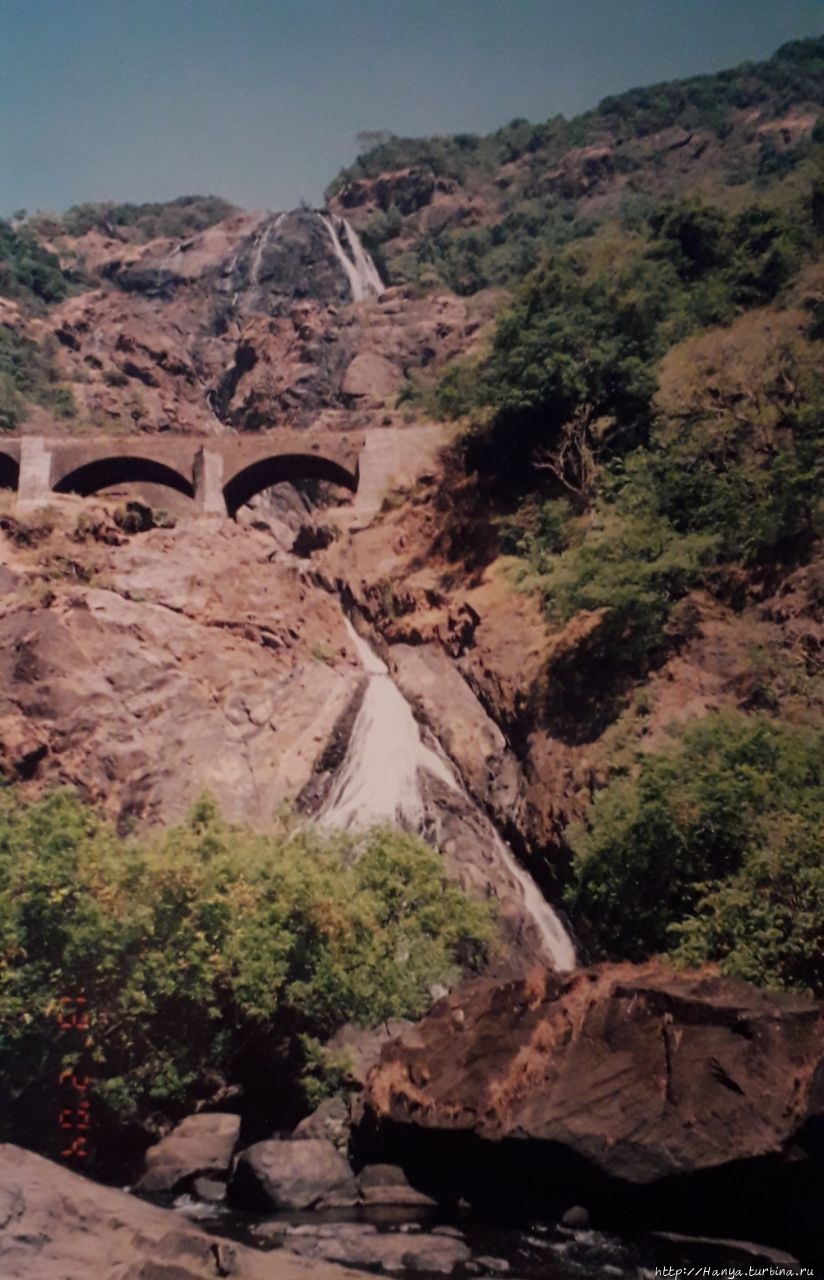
x=55, y=1225
x=282, y=1174
x=664, y=1092
x=200, y=1144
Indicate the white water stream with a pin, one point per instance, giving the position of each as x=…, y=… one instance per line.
x=380, y=780
x=361, y=271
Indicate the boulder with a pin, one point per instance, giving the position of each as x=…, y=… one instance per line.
x=360, y=1245
x=576, y=1218
x=680, y=1100
x=331, y=1120
x=282, y=1174
x=201, y=1144
x=56, y=1225
x=370, y=376
x=386, y=1184
x=361, y=1046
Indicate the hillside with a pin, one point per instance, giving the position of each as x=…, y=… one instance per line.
x=641, y=453
x=470, y=211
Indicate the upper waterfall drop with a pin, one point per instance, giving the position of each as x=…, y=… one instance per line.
x=361, y=272
x=381, y=780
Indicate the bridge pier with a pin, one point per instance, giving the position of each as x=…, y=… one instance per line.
x=34, y=484
x=207, y=475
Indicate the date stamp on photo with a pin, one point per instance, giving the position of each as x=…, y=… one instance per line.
x=74, y=1104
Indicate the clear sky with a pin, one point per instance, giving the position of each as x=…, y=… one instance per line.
x=260, y=100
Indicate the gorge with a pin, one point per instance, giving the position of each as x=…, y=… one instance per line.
x=410, y=638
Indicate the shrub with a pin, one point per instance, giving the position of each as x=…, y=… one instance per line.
x=28, y=372
x=27, y=270
x=210, y=952
x=696, y=848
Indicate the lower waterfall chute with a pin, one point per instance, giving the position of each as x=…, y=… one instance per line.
x=381, y=781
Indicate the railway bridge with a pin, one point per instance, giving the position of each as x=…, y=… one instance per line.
x=218, y=473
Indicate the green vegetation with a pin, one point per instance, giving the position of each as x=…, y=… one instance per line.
x=620, y=505
x=209, y=953
x=28, y=372
x=184, y=216
x=712, y=849
x=27, y=270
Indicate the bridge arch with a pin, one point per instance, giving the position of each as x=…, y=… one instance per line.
x=99, y=474
x=276, y=468
x=9, y=472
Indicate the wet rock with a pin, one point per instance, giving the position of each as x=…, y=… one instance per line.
x=201, y=1144
x=576, y=1218
x=670, y=1248
x=360, y=1245
x=282, y=1174
x=209, y=1190
x=386, y=1184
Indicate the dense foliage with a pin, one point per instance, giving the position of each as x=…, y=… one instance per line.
x=27, y=270
x=619, y=505
x=211, y=952
x=712, y=849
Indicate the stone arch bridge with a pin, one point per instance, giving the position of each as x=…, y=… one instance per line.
x=219, y=474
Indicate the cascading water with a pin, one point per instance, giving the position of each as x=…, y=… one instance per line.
x=361, y=272
x=381, y=780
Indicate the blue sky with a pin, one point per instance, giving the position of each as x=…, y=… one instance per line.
x=261, y=100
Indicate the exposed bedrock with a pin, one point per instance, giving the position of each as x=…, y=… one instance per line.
x=676, y=1101
x=55, y=1225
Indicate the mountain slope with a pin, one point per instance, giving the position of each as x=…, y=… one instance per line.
x=473, y=211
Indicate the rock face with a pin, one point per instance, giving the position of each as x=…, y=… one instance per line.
x=247, y=324
x=55, y=1225
x=201, y=1144
x=682, y=1096
x=279, y=1174
x=194, y=645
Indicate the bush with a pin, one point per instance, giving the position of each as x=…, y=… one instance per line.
x=28, y=372
x=175, y=218
x=711, y=847
x=27, y=270
x=210, y=952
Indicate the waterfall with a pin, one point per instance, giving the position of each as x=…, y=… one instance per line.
x=361, y=271
x=380, y=780
x=264, y=235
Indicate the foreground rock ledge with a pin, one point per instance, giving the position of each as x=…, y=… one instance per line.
x=681, y=1100
x=55, y=1225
